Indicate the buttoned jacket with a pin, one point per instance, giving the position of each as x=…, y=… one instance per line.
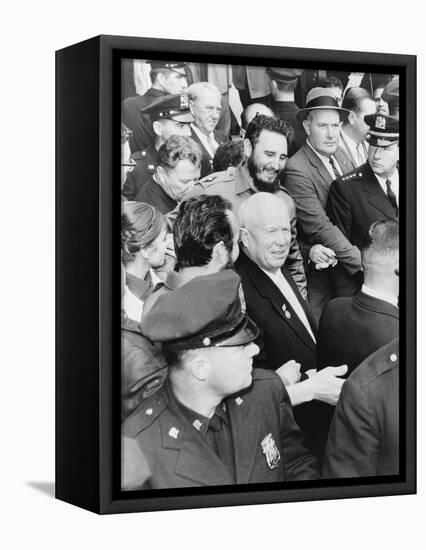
x=178, y=456
x=308, y=182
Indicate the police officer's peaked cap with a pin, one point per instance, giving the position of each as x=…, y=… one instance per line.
x=175, y=66
x=278, y=73
x=384, y=129
x=208, y=311
x=170, y=106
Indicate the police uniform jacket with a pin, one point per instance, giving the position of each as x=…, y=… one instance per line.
x=355, y=201
x=139, y=123
x=364, y=435
x=351, y=329
x=146, y=161
x=262, y=427
x=236, y=185
x=308, y=182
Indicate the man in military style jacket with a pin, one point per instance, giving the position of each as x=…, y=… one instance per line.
x=168, y=77
x=368, y=193
x=168, y=116
x=364, y=435
x=215, y=422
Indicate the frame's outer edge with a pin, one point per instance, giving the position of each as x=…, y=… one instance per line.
x=85, y=350
x=77, y=268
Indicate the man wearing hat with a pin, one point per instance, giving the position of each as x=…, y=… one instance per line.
x=307, y=176
x=368, y=193
x=167, y=77
x=215, y=421
x=283, y=82
x=168, y=115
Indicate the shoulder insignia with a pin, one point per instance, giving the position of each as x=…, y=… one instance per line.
x=218, y=177
x=352, y=175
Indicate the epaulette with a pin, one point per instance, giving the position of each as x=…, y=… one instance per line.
x=357, y=173
x=218, y=177
x=147, y=412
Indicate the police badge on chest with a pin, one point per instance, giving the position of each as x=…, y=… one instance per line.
x=271, y=452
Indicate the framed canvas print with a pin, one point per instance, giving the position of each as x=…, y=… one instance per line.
x=235, y=274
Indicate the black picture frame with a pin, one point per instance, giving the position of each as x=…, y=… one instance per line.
x=88, y=276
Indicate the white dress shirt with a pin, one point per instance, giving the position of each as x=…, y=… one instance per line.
x=356, y=149
x=394, y=179
x=209, y=141
x=326, y=161
x=380, y=295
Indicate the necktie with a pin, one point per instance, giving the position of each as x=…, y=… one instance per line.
x=360, y=154
x=212, y=143
x=391, y=196
x=333, y=165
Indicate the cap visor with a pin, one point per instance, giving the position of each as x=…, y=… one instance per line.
x=380, y=142
x=184, y=117
x=244, y=335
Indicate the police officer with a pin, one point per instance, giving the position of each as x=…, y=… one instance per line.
x=167, y=77
x=367, y=194
x=364, y=435
x=215, y=421
x=168, y=115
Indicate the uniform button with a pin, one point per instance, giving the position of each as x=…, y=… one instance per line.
x=206, y=341
x=393, y=357
x=148, y=412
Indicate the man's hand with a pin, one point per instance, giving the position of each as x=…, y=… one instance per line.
x=326, y=384
x=289, y=372
x=322, y=256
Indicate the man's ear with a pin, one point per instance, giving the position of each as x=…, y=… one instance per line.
x=244, y=237
x=219, y=253
x=351, y=117
x=248, y=149
x=191, y=106
x=200, y=367
x=156, y=126
x=307, y=127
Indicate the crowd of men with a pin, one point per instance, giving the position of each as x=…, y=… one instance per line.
x=260, y=288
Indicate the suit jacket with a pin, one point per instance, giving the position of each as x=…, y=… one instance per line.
x=353, y=162
x=281, y=338
x=308, y=182
x=351, y=329
x=178, y=456
x=206, y=159
x=355, y=201
x=152, y=193
x=364, y=435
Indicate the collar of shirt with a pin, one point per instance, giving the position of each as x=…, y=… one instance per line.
x=197, y=421
x=380, y=295
x=394, y=179
x=353, y=146
x=326, y=161
x=205, y=140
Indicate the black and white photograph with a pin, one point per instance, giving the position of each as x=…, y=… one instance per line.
x=260, y=274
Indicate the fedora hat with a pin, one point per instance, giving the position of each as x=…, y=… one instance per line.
x=319, y=98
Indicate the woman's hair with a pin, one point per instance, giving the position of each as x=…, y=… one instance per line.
x=141, y=224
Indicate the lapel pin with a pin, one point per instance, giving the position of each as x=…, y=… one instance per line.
x=286, y=312
x=238, y=400
x=197, y=424
x=174, y=432
x=271, y=452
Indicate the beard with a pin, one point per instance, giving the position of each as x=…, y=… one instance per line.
x=268, y=187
